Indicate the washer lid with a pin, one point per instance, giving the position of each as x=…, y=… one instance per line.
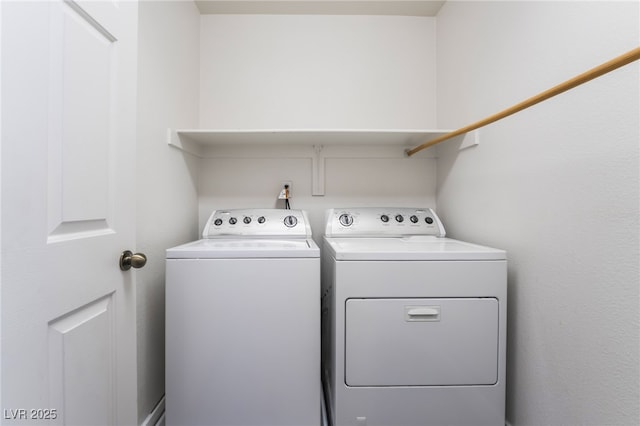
x=409, y=248
x=244, y=248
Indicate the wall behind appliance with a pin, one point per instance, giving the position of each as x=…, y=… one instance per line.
x=168, y=69
x=254, y=182
x=557, y=186
x=317, y=72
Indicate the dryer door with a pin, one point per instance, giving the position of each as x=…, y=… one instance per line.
x=421, y=342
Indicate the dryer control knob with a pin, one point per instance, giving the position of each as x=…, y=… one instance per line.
x=233, y=220
x=384, y=218
x=247, y=220
x=261, y=219
x=346, y=219
x=217, y=222
x=414, y=219
x=399, y=218
x=290, y=221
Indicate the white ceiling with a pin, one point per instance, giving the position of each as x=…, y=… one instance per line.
x=321, y=7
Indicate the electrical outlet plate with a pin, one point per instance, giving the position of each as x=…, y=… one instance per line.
x=282, y=195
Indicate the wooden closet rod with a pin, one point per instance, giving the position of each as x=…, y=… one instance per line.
x=615, y=63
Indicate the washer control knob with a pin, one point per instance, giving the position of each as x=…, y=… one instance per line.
x=261, y=219
x=414, y=219
x=429, y=220
x=233, y=220
x=247, y=220
x=346, y=219
x=399, y=218
x=217, y=222
x=290, y=221
x=384, y=218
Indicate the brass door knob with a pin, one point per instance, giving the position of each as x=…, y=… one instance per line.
x=129, y=260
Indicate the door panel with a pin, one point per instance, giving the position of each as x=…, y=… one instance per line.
x=81, y=360
x=81, y=123
x=421, y=342
x=68, y=210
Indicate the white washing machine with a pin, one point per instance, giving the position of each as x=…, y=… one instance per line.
x=413, y=323
x=243, y=323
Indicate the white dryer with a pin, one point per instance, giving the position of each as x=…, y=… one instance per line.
x=243, y=323
x=413, y=323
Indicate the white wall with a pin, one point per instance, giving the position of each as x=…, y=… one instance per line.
x=167, y=178
x=255, y=182
x=317, y=72
x=557, y=186
x=299, y=71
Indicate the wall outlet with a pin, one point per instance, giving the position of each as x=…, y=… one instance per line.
x=283, y=190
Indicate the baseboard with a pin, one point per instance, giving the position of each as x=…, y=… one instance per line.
x=161, y=422
x=156, y=417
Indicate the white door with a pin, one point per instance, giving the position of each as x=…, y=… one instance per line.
x=68, y=210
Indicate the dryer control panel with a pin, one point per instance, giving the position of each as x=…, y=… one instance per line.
x=383, y=222
x=257, y=223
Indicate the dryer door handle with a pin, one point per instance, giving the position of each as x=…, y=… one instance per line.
x=422, y=313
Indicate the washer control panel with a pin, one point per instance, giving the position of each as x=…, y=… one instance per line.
x=257, y=223
x=383, y=222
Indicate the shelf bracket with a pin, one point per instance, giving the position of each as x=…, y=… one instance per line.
x=470, y=139
x=183, y=143
x=317, y=171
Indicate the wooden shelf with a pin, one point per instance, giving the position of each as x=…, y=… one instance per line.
x=196, y=141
